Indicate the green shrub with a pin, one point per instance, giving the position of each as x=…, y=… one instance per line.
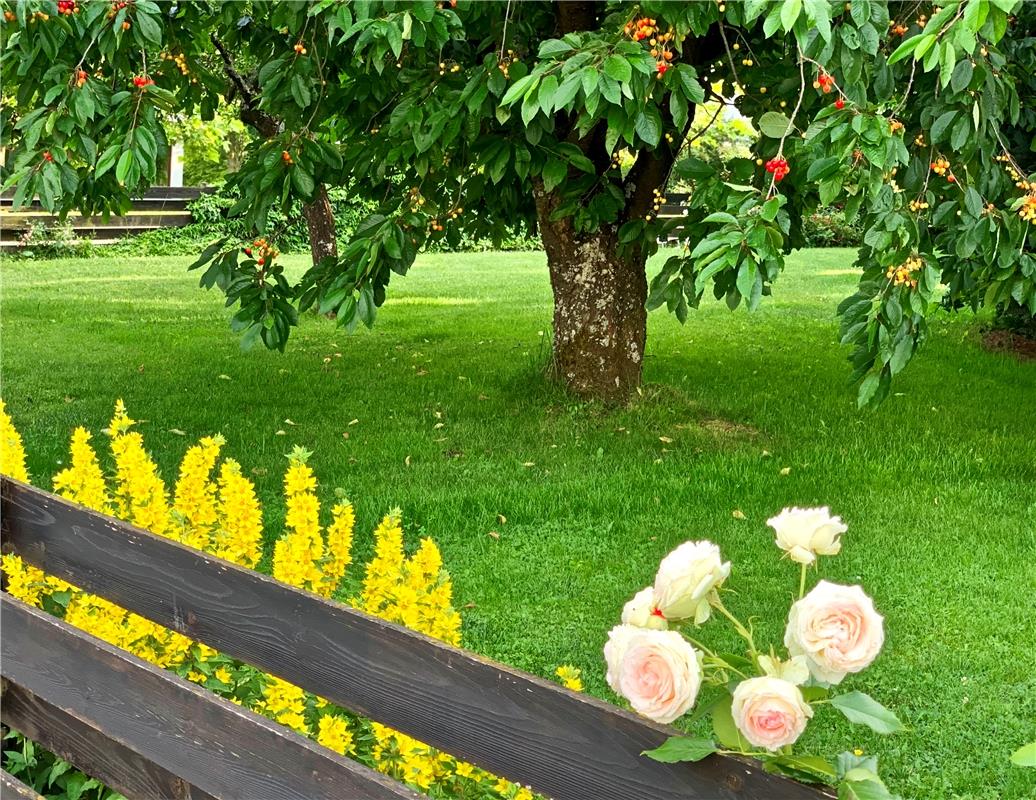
x=827, y=227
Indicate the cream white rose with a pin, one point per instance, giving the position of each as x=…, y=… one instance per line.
x=805, y=533
x=770, y=712
x=837, y=629
x=686, y=580
x=657, y=671
x=642, y=611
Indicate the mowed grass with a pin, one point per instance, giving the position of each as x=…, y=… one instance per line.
x=448, y=417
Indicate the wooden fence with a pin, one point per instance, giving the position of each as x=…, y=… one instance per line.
x=150, y=734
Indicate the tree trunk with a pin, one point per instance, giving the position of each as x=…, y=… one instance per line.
x=600, y=317
x=320, y=221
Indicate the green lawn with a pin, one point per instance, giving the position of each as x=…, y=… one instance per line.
x=449, y=418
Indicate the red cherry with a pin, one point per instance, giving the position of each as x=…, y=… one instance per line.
x=839, y=103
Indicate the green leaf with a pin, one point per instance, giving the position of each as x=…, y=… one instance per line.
x=302, y=181
x=725, y=729
x=107, y=160
x=863, y=709
x=692, y=88
x=770, y=209
x=808, y=769
x=961, y=77
x=863, y=790
x=122, y=168
x=942, y=125
x=618, y=68
x=682, y=748
x=1025, y=756
x=904, y=49
x=774, y=124
x=554, y=172
x=519, y=89
x=790, y=13
x=150, y=28
x=554, y=47
x=649, y=125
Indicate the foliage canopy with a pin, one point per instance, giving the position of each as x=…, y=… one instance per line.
x=453, y=116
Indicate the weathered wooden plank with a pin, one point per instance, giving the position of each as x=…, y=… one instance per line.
x=566, y=745
x=13, y=789
x=90, y=750
x=224, y=750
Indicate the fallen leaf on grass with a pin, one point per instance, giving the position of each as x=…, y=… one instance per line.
x=177, y=431
x=501, y=519
x=738, y=514
x=224, y=377
x=280, y=433
x=494, y=534
x=529, y=464
x=406, y=461
x=665, y=439
x=288, y=422
x=786, y=471
x=353, y=421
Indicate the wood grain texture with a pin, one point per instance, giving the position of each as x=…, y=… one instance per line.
x=226, y=751
x=91, y=750
x=568, y=746
x=13, y=789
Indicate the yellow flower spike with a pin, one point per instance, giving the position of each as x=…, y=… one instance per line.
x=140, y=495
x=239, y=533
x=83, y=482
x=195, y=493
x=339, y=546
x=12, y=453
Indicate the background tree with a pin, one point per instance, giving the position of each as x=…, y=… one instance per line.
x=465, y=117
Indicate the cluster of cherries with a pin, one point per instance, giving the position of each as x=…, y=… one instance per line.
x=9, y=16
x=779, y=168
x=286, y=158
x=647, y=28
x=904, y=274
x=264, y=252
x=81, y=77
x=641, y=29
x=68, y=7
x=824, y=82
x=47, y=156
x=941, y=167
x=141, y=81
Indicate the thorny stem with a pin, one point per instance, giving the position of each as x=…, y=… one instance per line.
x=742, y=631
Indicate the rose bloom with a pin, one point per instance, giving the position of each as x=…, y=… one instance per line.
x=804, y=533
x=837, y=629
x=642, y=612
x=686, y=578
x=657, y=671
x=770, y=712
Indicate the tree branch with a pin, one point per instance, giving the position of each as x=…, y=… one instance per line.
x=266, y=124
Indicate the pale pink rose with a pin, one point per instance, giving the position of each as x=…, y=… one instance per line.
x=615, y=651
x=657, y=671
x=770, y=712
x=837, y=629
x=804, y=533
x=687, y=579
x=642, y=611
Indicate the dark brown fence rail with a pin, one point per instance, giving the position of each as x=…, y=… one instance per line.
x=14, y=789
x=565, y=745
